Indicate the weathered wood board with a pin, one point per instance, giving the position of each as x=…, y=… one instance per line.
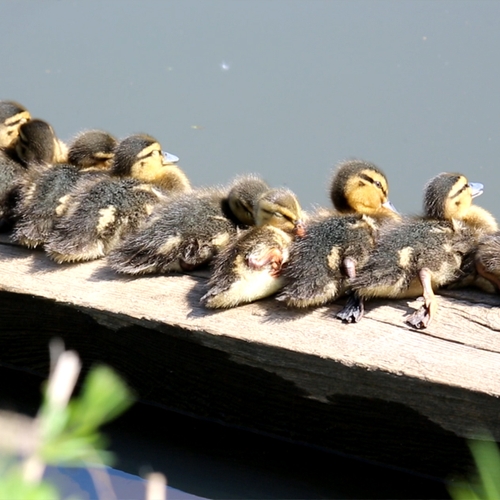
x=378, y=389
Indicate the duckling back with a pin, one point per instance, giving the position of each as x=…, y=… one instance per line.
x=319, y=262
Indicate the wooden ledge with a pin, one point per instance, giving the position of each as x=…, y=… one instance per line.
x=362, y=389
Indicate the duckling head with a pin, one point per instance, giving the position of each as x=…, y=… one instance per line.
x=361, y=187
x=279, y=208
x=92, y=149
x=449, y=196
x=243, y=196
x=37, y=143
x=140, y=156
x=12, y=116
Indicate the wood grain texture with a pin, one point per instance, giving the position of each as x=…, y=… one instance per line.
x=376, y=377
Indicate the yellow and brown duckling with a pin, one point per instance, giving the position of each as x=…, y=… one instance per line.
x=187, y=232
x=36, y=144
x=335, y=246
x=425, y=253
x=44, y=192
x=101, y=210
x=250, y=268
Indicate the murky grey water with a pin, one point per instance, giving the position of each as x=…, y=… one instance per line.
x=284, y=88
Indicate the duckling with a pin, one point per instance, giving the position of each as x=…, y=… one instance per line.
x=99, y=212
x=187, y=232
x=487, y=259
x=334, y=246
x=92, y=150
x=44, y=193
x=36, y=144
x=424, y=253
x=12, y=116
x=249, y=269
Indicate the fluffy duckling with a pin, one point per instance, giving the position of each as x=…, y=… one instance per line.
x=36, y=144
x=12, y=116
x=334, y=246
x=249, y=269
x=98, y=213
x=187, y=232
x=422, y=254
x=44, y=192
x=487, y=259
x=92, y=150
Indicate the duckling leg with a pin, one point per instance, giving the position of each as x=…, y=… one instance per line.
x=354, y=309
x=349, y=267
x=487, y=275
x=421, y=318
x=272, y=258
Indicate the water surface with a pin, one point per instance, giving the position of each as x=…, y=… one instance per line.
x=284, y=88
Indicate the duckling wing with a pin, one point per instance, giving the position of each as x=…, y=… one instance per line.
x=182, y=234
x=98, y=217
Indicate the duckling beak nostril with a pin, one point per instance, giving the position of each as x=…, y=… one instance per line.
x=476, y=188
x=169, y=157
x=299, y=228
x=390, y=206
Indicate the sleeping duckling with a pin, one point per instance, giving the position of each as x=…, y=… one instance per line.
x=187, y=232
x=92, y=150
x=100, y=212
x=12, y=116
x=334, y=246
x=36, y=144
x=249, y=269
x=422, y=254
x=44, y=193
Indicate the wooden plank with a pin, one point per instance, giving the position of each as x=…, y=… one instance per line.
x=361, y=389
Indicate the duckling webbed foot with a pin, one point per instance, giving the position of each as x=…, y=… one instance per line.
x=353, y=311
x=421, y=318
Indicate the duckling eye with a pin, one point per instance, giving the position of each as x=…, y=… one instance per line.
x=277, y=214
x=378, y=184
